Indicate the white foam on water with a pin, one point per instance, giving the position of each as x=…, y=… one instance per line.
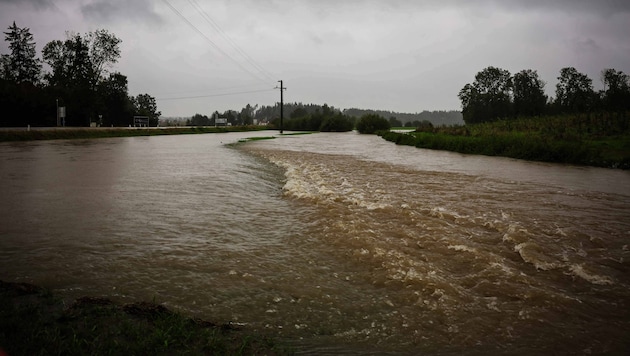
x=515, y=233
x=445, y=214
x=492, y=304
x=462, y=248
x=320, y=184
x=579, y=271
x=504, y=268
x=560, y=231
x=532, y=253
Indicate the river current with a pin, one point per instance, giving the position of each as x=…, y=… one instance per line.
x=339, y=243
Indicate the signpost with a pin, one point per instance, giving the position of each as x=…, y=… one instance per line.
x=62, y=115
x=141, y=121
x=220, y=120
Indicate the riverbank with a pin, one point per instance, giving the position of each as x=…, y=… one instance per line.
x=66, y=133
x=601, y=140
x=33, y=321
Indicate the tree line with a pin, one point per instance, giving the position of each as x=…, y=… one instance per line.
x=496, y=94
x=243, y=117
x=315, y=117
x=80, y=79
x=297, y=117
x=398, y=119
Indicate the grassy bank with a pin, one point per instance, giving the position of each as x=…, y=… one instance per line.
x=601, y=140
x=34, y=322
x=87, y=133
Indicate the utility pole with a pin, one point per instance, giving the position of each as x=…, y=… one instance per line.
x=281, y=106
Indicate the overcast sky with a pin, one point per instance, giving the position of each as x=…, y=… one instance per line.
x=398, y=55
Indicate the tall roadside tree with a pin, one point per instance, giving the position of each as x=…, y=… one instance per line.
x=115, y=108
x=78, y=66
x=22, y=99
x=574, y=91
x=21, y=65
x=616, y=94
x=104, y=52
x=529, y=93
x=489, y=97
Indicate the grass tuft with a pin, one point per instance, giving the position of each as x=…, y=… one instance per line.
x=34, y=322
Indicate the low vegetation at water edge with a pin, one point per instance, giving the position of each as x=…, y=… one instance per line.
x=87, y=133
x=601, y=139
x=34, y=322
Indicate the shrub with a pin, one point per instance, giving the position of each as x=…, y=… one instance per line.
x=336, y=123
x=371, y=123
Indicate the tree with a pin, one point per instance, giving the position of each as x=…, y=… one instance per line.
x=574, y=91
x=529, y=93
x=298, y=113
x=104, y=52
x=78, y=66
x=488, y=97
x=85, y=58
x=21, y=65
x=23, y=100
x=145, y=105
x=247, y=114
x=394, y=122
x=371, y=123
x=616, y=95
x=494, y=81
x=115, y=107
x=231, y=116
x=337, y=122
x=199, y=120
x=70, y=63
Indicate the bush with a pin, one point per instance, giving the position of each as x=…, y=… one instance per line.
x=371, y=123
x=336, y=123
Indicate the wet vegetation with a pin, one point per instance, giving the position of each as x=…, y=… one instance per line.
x=371, y=123
x=87, y=133
x=317, y=118
x=35, y=322
x=510, y=115
x=596, y=139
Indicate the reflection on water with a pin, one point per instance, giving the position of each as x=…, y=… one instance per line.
x=344, y=243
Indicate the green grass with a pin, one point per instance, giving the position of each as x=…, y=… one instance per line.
x=247, y=139
x=298, y=133
x=34, y=322
x=601, y=139
x=88, y=133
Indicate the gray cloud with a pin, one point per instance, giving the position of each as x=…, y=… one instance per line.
x=351, y=53
x=113, y=11
x=36, y=4
x=601, y=7
x=596, y=7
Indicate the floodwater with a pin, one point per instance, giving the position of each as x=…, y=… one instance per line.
x=339, y=243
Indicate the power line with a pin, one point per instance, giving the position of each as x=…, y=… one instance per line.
x=225, y=89
x=214, y=95
x=229, y=40
x=212, y=43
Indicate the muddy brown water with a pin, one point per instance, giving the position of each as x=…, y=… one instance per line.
x=340, y=243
